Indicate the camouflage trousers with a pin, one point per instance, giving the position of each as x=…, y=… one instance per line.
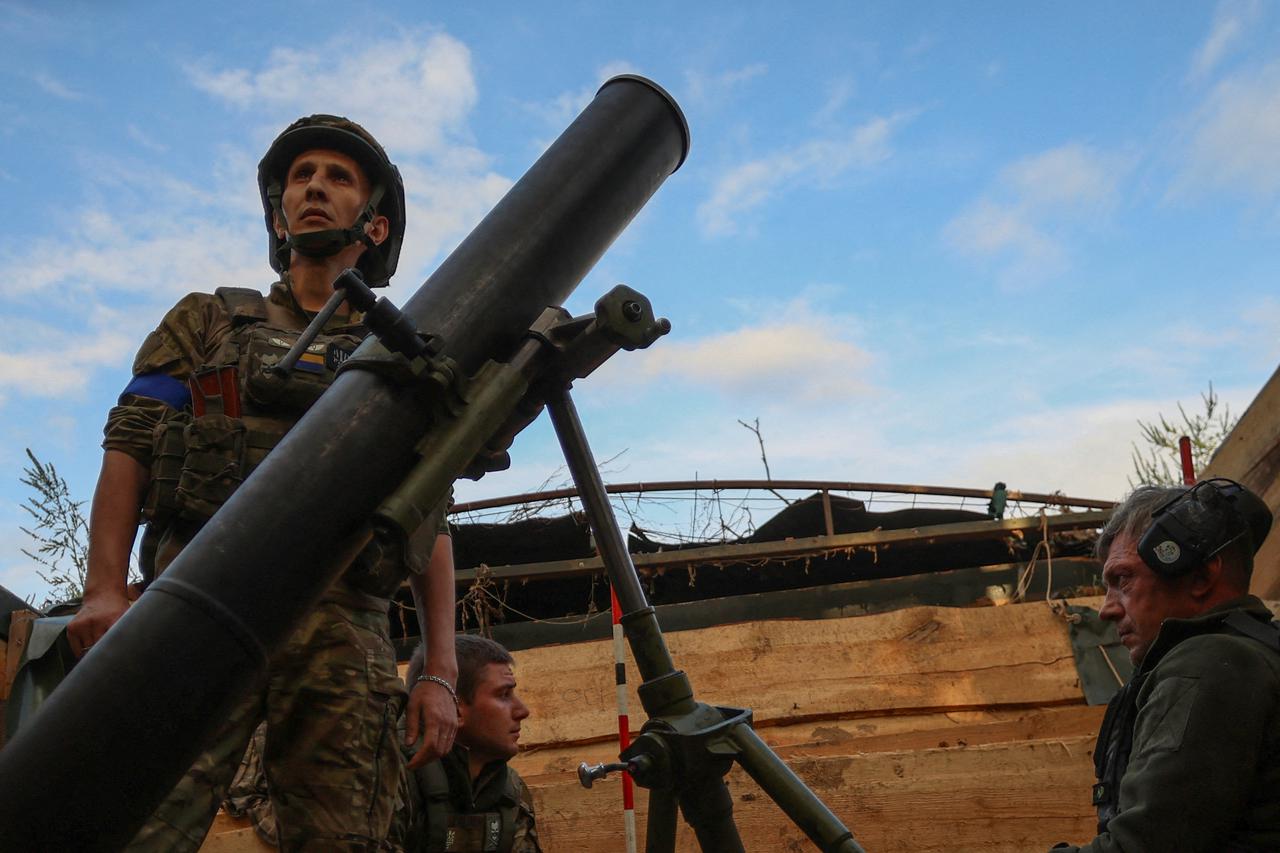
x=331, y=700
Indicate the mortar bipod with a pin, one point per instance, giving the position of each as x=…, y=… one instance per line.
x=686, y=747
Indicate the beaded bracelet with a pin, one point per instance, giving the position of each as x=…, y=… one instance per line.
x=435, y=679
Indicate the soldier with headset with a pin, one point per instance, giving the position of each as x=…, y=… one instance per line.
x=203, y=409
x=1188, y=758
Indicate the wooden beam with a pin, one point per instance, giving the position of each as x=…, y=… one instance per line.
x=1250, y=454
x=954, y=588
x=891, y=733
x=785, y=485
x=802, y=547
x=1000, y=798
x=912, y=661
x=19, y=631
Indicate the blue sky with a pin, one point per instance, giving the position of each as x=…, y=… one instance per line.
x=933, y=243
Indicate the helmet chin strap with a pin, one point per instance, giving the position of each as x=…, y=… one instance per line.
x=331, y=241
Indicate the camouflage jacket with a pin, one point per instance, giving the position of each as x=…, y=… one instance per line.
x=188, y=338
x=189, y=454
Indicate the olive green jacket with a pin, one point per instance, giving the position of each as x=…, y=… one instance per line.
x=1204, y=771
x=498, y=790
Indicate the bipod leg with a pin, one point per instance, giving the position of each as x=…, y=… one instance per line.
x=660, y=828
x=671, y=751
x=708, y=809
x=790, y=793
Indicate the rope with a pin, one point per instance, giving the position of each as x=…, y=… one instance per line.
x=501, y=604
x=1106, y=657
x=1024, y=579
x=475, y=603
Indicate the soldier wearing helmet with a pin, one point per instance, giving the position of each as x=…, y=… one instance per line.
x=203, y=409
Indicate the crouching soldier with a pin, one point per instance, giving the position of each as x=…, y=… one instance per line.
x=470, y=800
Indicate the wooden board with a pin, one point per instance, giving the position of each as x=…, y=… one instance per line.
x=928, y=728
x=857, y=736
x=906, y=661
x=1020, y=797
x=19, y=630
x=1250, y=454
x=233, y=835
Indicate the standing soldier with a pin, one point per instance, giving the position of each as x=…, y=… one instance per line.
x=202, y=411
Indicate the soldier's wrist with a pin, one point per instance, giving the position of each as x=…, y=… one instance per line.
x=435, y=679
x=104, y=591
x=446, y=668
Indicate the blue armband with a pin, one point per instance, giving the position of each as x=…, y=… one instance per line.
x=160, y=386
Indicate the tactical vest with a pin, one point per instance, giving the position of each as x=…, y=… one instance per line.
x=442, y=829
x=240, y=411
x=1115, y=738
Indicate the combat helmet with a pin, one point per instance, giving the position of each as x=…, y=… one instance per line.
x=336, y=133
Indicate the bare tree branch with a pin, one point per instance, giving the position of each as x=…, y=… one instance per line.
x=755, y=427
x=1159, y=462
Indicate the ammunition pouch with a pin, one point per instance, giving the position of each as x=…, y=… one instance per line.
x=199, y=460
x=168, y=452
x=214, y=465
x=294, y=394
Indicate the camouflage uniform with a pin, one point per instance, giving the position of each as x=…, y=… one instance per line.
x=495, y=813
x=331, y=695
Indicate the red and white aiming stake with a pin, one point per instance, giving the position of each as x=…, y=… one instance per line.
x=624, y=723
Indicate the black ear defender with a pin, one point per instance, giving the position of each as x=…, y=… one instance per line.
x=1188, y=530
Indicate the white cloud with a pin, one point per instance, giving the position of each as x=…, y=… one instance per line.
x=443, y=206
x=749, y=185
x=413, y=94
x=922, y=45
x=160, y=256
x=786, y=358
x=1235, y=137
x=801, y=356
x=61, y=363
x=143, y=139
x=149, y=237
x=50, y=85
x=839, y=93
x=989, y=229
x=1022, y=223
x=559, y=111
x=1062, y=177
x=1083, y=450
x=704, y=88
x=1231, y=20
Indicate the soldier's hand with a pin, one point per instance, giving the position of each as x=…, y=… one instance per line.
x=97, y=614
x=433, y=716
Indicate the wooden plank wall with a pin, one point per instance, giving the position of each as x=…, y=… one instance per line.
x=923, y=729
x=1251, y=455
